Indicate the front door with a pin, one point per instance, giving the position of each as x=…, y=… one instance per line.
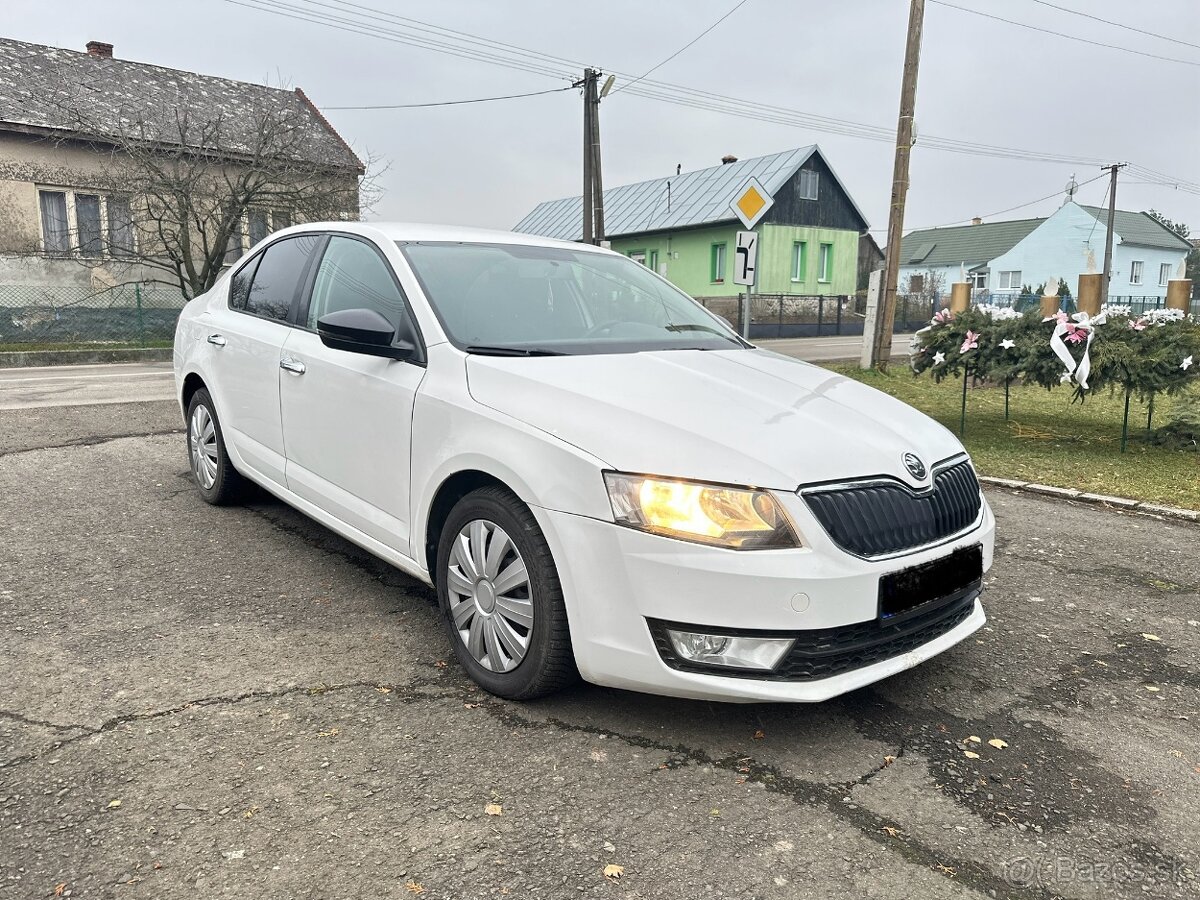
x=347, y=417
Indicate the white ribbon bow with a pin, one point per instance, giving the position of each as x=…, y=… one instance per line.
x=1080, y=371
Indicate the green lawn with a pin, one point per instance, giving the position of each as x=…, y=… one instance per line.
x=1050, y=440
x=97, y=345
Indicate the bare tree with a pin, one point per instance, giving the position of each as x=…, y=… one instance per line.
x=181, y=186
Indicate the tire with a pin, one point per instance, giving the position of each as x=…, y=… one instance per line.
x=216, y=479
x=485, y=593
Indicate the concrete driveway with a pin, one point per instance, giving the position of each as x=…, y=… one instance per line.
x=202, y=702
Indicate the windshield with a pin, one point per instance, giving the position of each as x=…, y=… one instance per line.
x=522, y=300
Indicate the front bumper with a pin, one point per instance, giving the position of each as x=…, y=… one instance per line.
x=617, y=581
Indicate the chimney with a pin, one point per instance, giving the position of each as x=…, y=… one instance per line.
x=727, y=159
x=977, y=221
x=99, y=49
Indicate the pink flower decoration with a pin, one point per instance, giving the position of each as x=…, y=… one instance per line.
x=941, y=317
x=1139, y=325
x=971, y=342
x=1075, y=335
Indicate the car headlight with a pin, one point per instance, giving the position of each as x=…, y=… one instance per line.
x=738, y=518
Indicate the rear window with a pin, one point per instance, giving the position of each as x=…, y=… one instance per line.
x=271, y=288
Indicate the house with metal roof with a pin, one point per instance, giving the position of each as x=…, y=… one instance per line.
x=683, y=226
x=1004, y=257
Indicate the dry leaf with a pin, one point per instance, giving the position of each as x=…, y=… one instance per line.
x=114, y=804
x=613, y=872
x=974, y=739
x=970, y=754
x=493, y=809
x=1151, y=637
x=470, y=705
x=888, y=760
x=890, y=831
x=382, y=689
x=946, y=870
x=998, y=743
x=249, y=814
x=1154, y=689
x=441, y=664
x=759, y=735
x=59, y=888
x=414, y=887
x=714, y=813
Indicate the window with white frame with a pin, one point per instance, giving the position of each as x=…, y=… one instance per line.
x=810, y=183
x=978, y=280
x=252, y=227
x=1011, y=280
x=825, y=264
x=83, y=222
x=1164, y=274
x=1135, y=271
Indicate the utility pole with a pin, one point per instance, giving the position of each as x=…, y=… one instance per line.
x=1108, y=237
x=904, y=141
x=589, y=216
x=597, y=179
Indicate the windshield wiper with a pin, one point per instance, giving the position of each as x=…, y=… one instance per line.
x=489, y=350
x=695, y=326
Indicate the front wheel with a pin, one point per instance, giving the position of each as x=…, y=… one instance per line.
x=501, y=599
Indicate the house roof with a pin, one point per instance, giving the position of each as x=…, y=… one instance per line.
x=969, y=244
x=696, y=198
x=48, y=89
x=1140, y=228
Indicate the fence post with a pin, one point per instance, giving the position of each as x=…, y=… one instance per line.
x=779, y=331
x=838, y=329
x=137, y=293
x=820, y=314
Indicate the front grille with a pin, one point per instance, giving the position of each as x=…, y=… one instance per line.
x=825, y=652
x=880, y=518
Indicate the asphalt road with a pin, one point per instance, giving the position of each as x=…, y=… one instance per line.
x=32, y=388
x=202, y=702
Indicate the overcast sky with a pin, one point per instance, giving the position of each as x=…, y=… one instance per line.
x=488, y=164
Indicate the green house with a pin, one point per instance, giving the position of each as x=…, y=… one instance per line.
x=684, y=228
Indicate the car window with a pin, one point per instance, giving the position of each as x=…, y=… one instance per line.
x=276, y=278
x=239, y=286
x=353, y=275
x=558, y=299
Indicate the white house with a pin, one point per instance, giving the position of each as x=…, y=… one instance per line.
x=1000, y=257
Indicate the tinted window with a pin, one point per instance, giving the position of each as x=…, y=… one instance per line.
x=239, y=287
x=353, y=275
x=277, y=276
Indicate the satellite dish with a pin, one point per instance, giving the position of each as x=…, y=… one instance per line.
x=607, y=86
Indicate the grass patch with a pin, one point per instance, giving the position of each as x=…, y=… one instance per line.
x=1050, y=440
x=97, y=345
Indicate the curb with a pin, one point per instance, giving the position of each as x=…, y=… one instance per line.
x=31, y=358
x=1123, y=503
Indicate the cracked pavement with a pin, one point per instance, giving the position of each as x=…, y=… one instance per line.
x=204, y=702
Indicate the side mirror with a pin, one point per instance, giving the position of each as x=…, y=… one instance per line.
x=362, y=331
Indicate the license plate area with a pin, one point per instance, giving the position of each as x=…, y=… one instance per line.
x=930, y=584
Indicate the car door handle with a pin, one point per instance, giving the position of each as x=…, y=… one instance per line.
x=292, y=365
x=216, y=340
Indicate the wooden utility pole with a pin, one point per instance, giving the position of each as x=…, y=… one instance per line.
x=597, y=179
x=904, y=141
x=1108, y=237
x=589, y=216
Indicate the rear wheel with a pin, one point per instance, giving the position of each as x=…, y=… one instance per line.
x=215, y=477
x=501, y=598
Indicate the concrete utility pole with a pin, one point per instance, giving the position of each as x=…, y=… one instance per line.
x=1108, y=237
x=589, y=216
x=882, y=339
x=597, y=180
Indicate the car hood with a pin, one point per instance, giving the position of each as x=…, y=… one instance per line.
x=740, y=416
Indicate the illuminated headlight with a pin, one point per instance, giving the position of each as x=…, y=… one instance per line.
x=726, y=650
x=738, y=518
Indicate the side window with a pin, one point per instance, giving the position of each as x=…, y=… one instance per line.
x=239, y=287
x=353, y=275
x=276, y=277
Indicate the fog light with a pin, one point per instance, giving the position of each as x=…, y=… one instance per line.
x=727, y=650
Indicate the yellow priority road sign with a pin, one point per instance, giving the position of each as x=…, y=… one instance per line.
x=752, y=202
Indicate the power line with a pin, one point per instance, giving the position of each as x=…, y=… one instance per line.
x=1077, y=12
x=736, y=7
x=455, y=102
x=400, y=29
x=1069, y=37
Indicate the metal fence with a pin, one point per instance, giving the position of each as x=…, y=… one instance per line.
x=792, y=316
x=137, y=313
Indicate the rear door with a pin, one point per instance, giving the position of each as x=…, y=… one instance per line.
x=246, y=340
x=347, y=417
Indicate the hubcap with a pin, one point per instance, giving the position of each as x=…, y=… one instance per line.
x=491, y=603
x=202, y=446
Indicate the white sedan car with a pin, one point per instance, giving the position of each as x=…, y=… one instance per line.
x=597, y=475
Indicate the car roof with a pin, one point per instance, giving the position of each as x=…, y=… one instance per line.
x=413, y=231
